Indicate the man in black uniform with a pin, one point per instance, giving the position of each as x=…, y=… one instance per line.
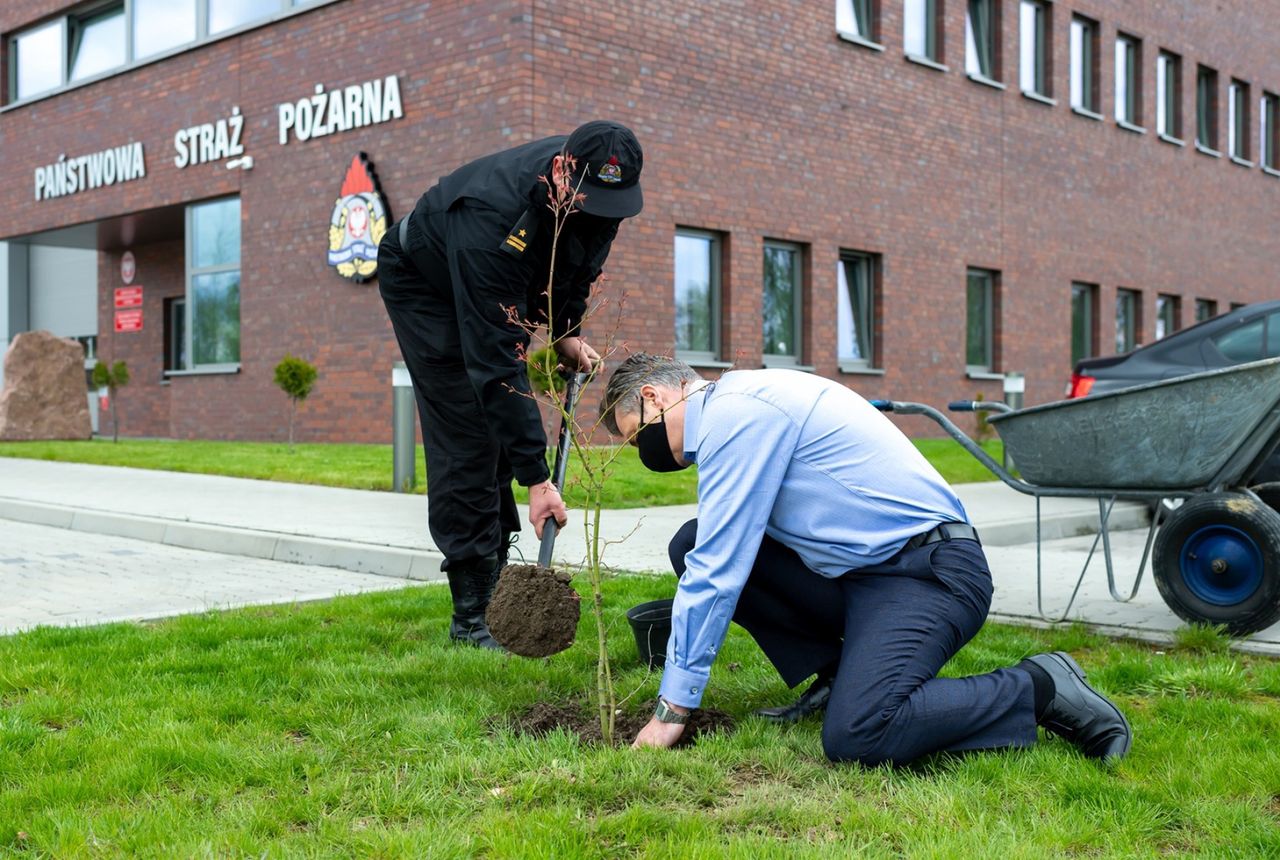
x=476, y=245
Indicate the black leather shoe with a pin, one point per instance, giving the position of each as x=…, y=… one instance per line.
x=1080, y=714
x=812, y=701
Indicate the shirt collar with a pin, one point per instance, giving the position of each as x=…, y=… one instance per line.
x=693, y=417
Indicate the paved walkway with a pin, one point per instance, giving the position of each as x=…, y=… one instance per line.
x=335, y=538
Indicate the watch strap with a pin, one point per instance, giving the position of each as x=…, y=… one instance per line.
x=666, y=714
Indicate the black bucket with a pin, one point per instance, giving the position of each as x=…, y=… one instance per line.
x=651, y=624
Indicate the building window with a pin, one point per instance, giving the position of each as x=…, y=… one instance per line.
x=1238, y=120
x=1128, y=80
x=1169, y=95
x=856, y=279
x=97, y=42
x=38, y=59
x=920, y=29
x=175, y=333
x=783, y=285
x=1033, y=52
x=1128, y=308
x=979, y=342
x=1206, y=108
x=105, y=37
x=982, y=48
x=1084, y=72
x=213, y=284
x=697, y=288
x=1168, y=316
x=859, y=18
x=1206, y=309
x=1083, y=321
x=1267, y=144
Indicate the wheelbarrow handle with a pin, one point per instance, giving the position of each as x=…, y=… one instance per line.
x=978, y=406
x=572, y=391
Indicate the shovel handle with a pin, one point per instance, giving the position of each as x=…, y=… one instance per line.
x=572, y=390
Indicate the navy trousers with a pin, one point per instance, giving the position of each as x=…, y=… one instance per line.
x=887, y=630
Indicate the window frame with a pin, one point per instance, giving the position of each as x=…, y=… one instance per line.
x=715, y=289
x=1238, y=120
x=191, y=272
x=991, y=74
x=872, y=262
x=1268, y=107
x=797, y=305
x=1090, y=294
x=1174, y=305
x=1042, y=45
x=1208, y=305
x=865, y=15
x=933, y=44
x=1207, y=109
x=68, y=18
x=1084, y=66
x=1169, y=96
x=1132, y=330
x=1132, y=47
x=989, y=339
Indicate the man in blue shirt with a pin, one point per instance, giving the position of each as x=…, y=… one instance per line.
x=825, y=534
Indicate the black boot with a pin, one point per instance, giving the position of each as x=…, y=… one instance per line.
x=471, y=585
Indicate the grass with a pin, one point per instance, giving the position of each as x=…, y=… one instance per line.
x=351, y=729
x=368, y=467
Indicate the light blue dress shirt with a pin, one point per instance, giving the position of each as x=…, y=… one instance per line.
x=807, y=462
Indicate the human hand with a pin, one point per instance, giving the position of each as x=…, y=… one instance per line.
x=577, y=354
x=544, y=502
x=658, y=735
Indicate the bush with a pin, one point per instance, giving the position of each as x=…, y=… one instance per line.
x=112, y=378
x=542, y=371
x=295, y=377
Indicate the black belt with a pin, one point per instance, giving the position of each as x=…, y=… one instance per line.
x=944, y=531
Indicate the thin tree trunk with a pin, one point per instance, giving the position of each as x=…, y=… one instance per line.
x=115, y=418
x=293, y=407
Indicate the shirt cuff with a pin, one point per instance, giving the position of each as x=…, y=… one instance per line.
x=534, y=473
x=682, y=687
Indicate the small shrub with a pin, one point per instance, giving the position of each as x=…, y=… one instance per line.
x=112, y=378
x=295, y=377
x=542, y=371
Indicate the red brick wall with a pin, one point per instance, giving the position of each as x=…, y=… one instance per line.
x=757, y=121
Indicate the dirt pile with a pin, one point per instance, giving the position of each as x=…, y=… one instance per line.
x=545, y=717
x=534, y=612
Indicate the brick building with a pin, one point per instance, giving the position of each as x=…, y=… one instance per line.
x=909, y=196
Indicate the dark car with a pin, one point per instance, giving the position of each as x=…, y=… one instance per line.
x=1245, y=334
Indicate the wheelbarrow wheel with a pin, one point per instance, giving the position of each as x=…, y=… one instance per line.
x=1217, y=561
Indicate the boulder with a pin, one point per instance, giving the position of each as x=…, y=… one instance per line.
x=44, y=394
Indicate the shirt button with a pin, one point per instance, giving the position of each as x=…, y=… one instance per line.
x=693, y=689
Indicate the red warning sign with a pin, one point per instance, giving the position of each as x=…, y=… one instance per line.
x=128, y=297
x=129, y=320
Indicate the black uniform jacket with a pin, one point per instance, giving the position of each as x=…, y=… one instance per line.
x=488, y=229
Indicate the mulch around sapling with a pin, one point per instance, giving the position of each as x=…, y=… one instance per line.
x=534, y=612
x=542, y=718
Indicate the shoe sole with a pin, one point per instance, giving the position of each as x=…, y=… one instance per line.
x=1074, y=667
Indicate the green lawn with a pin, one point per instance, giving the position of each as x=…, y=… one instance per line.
x=351, y=729
x=368, y=467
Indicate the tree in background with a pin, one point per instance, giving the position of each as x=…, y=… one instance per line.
x=295, y=377
x=112, y=378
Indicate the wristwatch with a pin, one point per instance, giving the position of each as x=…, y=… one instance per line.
x=665, y=714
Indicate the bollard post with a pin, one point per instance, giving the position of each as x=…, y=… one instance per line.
x=1015, y=385
x=403, y=448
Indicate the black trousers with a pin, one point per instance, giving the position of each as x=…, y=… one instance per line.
x=470, y=505
x=887, y=630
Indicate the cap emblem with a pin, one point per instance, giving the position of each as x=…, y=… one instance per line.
x=611, y=172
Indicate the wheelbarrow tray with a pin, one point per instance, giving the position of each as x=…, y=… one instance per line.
x=1176, y=434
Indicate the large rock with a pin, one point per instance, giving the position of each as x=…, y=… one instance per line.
x=44, y=390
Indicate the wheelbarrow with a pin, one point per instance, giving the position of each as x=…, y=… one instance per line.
x=1197, y=439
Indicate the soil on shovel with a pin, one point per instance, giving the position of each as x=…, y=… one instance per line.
x=534, y=612
x=545, y=717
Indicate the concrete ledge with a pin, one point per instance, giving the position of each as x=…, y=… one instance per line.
x=1052, y=527
x=377, y=559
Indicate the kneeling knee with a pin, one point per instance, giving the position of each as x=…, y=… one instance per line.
x=864, y=747
x=680, y=545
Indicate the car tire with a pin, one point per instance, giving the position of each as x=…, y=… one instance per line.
x=1217, y=561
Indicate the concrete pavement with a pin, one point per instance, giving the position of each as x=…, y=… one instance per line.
x=331, y=534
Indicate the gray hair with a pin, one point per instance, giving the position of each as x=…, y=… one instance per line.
x=623, y=392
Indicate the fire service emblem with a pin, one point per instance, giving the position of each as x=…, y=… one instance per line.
x=360, y=218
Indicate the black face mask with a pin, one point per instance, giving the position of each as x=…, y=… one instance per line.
x=655, y=451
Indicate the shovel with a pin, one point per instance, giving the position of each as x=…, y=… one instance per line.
x=534, y=612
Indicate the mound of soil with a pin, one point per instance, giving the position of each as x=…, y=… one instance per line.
x=545, y=717
x=534, y=612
